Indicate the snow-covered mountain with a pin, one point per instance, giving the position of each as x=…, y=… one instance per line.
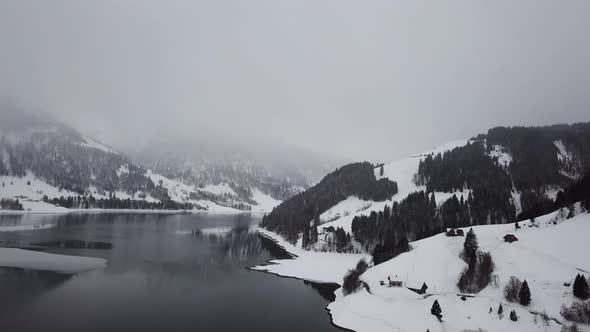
x=240, y=168
x=48, y=166
x=498, y=177
x=538, y=176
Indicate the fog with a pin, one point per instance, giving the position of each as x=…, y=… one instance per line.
x=356, y=79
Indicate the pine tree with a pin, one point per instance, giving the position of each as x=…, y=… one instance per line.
x=436, y=310
x=381, y=170
x=500, y=309
x=513, y=316
x=470, y=247
x=581, y=287
x=524, y=295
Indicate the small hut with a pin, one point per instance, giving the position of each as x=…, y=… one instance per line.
x=510, y=238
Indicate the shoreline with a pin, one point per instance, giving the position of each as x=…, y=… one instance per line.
x=125, y=211
x=295, y=257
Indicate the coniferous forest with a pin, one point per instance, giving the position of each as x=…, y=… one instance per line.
x=302, y=212
x=490, y=185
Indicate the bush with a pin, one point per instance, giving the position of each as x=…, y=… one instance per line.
x=511, y=289
x=476, y=276
x=578, y=312
x=351, y=280
x=573, y=328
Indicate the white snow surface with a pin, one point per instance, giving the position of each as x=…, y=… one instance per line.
x=90, y=143
x=547, y=256
x=265, y=202
x=504, y=157
x=33, y=260
x=566, y=158
x=402, y=172
x=219, y=189
x=351, y=205
x=326, y=267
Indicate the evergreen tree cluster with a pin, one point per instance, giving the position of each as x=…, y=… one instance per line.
x=517, y=291
x=535, y=161
x=469, y=167
x=10, y=204
x=293, y=216
x=309, y=237
x=478, y=273
x=351, y=282
x=539, y=205
x=387, y=233
x=581, y=290
x=113, y=202
x=536, y=164
x=436, y=310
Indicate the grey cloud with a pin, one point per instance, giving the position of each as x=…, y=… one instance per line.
x=367, y=80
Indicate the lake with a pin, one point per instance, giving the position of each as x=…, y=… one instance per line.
x=165, y=272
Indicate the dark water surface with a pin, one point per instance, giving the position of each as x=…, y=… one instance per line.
x=160, y=277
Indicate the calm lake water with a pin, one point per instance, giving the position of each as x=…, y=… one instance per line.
x=160, y=277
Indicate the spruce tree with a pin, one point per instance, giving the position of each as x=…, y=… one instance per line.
x=524, y=295
x=500, y=309
x=581, y=290
x=513, y=316
x=470, y=246
x=436, y=310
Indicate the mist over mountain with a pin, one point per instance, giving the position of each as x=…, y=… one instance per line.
x=47, y=162
x=279, y=169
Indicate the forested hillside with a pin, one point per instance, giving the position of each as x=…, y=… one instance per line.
x=66, y=159
x=505, y=175
x=301, y=213
x=45, y=163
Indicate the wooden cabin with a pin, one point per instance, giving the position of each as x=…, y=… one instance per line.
x=510, y=238
x=454, y=232
x=395, y=283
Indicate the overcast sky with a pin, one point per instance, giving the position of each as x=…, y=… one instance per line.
x=363, y=79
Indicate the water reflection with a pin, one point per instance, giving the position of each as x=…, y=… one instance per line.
x=165, y=272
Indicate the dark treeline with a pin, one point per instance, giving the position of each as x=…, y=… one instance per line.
x=577, y=192
x=534, y=153
x=388, y=232
x=334, y=239
x=10, y=204
x=301, y=212
x=469, y=167
x=113, y=202
x=535, y=162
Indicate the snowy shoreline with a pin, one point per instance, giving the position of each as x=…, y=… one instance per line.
x=435, y=260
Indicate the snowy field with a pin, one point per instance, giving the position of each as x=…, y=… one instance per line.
x=30, y=191
x=547, y=256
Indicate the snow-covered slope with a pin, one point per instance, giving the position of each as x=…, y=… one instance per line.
x=401, y=171
x=546, y=257
x=549, y=253
x=42, y=158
